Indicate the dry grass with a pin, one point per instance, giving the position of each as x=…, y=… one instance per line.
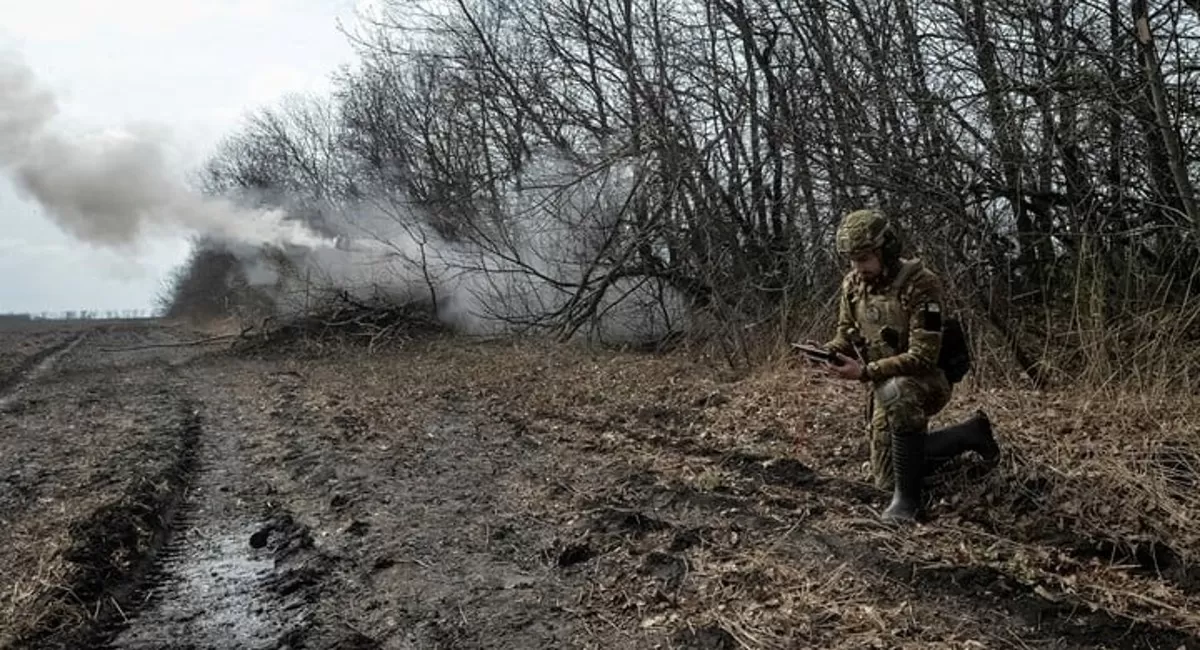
x=37, y=573
x=1088, y=482
x=73, y=450
x=34, y=567
x=1095, y=486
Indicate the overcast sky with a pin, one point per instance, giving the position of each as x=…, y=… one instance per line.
x=194, y=67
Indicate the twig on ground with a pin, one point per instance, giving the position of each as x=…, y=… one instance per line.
x=178, y=344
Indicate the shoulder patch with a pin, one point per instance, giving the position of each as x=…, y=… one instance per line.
x=931, y=316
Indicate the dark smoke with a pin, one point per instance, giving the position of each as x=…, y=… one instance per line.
x=112, y=188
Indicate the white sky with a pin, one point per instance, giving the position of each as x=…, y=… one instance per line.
x=194, y=67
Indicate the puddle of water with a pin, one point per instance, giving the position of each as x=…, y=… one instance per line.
x=211, y=595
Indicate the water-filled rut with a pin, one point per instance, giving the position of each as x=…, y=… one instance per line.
x=215, y=583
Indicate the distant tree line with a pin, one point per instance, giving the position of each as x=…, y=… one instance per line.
x=82, y=314
x=1043, y=155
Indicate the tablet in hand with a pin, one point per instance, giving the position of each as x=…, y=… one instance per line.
x=817, y=354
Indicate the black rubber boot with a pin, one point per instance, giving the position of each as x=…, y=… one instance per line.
x=974, y=435
x=908, y=451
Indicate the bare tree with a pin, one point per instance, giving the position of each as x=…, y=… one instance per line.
x=1037, y=153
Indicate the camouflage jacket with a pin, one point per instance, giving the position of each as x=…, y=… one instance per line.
x=894, y=326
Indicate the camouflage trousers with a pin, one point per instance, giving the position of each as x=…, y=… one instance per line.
x=902, y=404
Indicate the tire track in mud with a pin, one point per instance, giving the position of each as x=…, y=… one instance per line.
x=33, y=366
x=190, y=555
x=114, y=532
x=215, y=583
x=111, y=549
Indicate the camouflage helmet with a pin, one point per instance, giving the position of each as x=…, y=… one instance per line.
x=866, y=230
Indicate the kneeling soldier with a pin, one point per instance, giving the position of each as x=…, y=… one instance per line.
x=890, y=335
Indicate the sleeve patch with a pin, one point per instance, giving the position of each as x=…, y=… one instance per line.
x=931, y=317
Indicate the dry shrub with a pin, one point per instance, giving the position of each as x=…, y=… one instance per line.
x=209, y=287
x=339, y=319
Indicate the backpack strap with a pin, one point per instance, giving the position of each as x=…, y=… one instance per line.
x=907, y=270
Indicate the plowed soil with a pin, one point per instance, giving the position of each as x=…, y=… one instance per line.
x=435, y=492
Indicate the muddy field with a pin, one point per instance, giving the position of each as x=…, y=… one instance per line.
x=24, y=346
x=441, y=493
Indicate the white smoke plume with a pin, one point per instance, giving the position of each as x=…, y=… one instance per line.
x=499, y=281
x=113, y=187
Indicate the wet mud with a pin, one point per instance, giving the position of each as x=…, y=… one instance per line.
x=359, y=501
x=212, y=585
x=186, y=556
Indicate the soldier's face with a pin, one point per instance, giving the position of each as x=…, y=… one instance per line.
x=868, y=264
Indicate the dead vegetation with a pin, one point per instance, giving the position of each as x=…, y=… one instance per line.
x=22, y=349
x=1087, y=523
x=211, y=285
x=1089, y=520
x=698, y=505
x=88, y=466
x=341, y=321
